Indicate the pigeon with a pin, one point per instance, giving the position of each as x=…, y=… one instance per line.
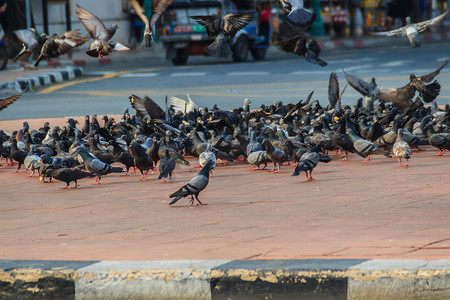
x=56, y=45
x=67, y=175
x=206, y=156
x=365, y=147
x=333, y=90
x=276, y=155
x=223, y=29
x=194, y=186
x=307, y=48
x=101, y=35
x=166, y=166
x=122, y=156
x=17, y=154
x=159, y=8
x=308, y=162
x=401, y=148
x=297, y=16
x=4, y=102
x=253, y=144
x=440, y=141
x=412, y=30
x=400, y=97
x=30, y=40
x=31, y=161
x=257, y=158
x=96, y=166
x=58, y=162
x=142, y=160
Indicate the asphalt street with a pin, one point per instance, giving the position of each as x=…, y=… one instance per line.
x=209, y=81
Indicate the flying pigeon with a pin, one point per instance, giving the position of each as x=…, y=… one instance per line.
x=159, y=8
x=412, y=30
x=4, y=102
x=297, y=16
x=223, y=29
x=56, y=45
x=101, y=35
x=307, y=48
x=30, y=40
x=194, y=186
x=400, y=97
x=181, y=105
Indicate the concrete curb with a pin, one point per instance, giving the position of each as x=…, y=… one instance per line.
x=227, y=279
x=39, y=80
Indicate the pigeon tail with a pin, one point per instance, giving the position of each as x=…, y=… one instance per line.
x=175, y=200
x=116, y=170
x=430, y=92
x=219, y=48
x=311, y=57
x=147, y=41
x=301, y=18
x=38, y=60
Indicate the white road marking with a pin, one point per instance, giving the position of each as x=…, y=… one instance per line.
x=247, y=73
x=310, y=72
x=189, y=74
x=396, y=63
x=139, y=75
x=99, y=73
x=360, y=67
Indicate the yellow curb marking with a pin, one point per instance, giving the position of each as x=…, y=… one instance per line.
x=71, y=83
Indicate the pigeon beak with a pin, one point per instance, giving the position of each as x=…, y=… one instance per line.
x=336, y=118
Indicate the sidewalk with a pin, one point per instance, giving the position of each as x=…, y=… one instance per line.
x=359, y=231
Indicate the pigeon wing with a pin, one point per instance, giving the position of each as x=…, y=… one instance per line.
x=181, y=105
x=211, y=24
x=422, y=26
x=358, y=84
x=314, y=47
x=333, y=90
x=233, y=23
x=393, y=33
x=7, y=101
x=146, y=107
x=159, y=8
x=28, y=37
x=430, y=76
x=140, y=12
x=92, y=23
x=296, y=45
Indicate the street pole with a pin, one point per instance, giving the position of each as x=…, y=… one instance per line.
x=317, y=28
x=28, y=13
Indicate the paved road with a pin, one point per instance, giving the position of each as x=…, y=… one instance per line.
x=209, y=81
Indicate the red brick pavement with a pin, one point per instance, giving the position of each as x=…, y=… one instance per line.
x=375, y=210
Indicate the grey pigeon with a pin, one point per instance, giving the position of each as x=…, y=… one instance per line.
x=412, y=30
x=166, y=166
x=401, y=148
x=308, y=162
x=253, y=144
x=96, y=166
x=194, y=186
x=158, y=9
x=276, y=155
x=101, y=35
x=56, y=45
x=30, y=40
x=257, y=158
x=297, y=16
x=223, y=29
x=307, y=48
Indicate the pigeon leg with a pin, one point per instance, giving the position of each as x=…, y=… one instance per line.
x=241, y=158
x=399, y=161
x=199, y=202
x=367, y=159
x=126, y=174
x=273, y=169
x=306, y=173
x=66, y=187
x=192, y=200
x=198, y=167
x=164, y=179
x=76, y=184
x=406, y=165
x=97, y=180
x=440, y=153
x=32, y=174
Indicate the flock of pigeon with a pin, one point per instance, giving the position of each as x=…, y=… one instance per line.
x=301, y=134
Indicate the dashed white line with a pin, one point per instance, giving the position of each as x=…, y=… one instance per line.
x=247, y=73
x=310, y=72
x=139, y=75
x=189, y=74
x=397, y=63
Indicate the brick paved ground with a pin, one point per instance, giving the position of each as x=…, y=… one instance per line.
x=376, y=210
